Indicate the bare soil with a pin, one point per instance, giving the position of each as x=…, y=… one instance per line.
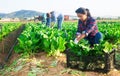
x=42, y=65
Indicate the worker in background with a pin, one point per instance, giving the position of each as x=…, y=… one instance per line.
x=56, y=18
x=48, y=19
x=43, y=19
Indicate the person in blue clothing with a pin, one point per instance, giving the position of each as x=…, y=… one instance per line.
x=87, y=27
x=48, y=19
x=56, y=18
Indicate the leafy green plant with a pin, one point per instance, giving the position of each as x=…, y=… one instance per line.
x=6, y=28
x=38, y=37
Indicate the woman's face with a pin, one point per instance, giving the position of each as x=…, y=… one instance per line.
x=82, y=17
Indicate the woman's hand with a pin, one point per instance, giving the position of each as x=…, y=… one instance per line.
x=79, y=37
x=76, y=41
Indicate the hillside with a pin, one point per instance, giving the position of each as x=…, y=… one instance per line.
x=20, y=14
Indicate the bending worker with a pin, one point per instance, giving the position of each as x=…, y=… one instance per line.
x=87, y=27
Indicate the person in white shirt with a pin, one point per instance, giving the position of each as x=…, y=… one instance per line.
x=57, y=18
x=43, y=18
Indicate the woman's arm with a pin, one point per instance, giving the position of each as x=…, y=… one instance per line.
x=81, y=37
x=78, y=38
x=78, y=26
x=88, y=30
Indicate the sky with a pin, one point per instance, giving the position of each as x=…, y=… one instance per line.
x=96, y=7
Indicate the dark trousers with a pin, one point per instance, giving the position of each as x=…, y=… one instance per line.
x=95, y=39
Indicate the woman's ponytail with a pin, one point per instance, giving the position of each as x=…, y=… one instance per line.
x=88, y=12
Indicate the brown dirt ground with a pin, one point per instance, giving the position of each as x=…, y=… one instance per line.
x=42, y=65
x=7, y=42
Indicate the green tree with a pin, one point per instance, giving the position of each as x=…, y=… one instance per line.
x=119, y=17
x=98, y=18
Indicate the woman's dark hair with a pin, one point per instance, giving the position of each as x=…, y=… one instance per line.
x=88, y=12
x=82, y=10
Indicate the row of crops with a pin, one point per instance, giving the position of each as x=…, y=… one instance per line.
x=38, y=37
x=6, y=28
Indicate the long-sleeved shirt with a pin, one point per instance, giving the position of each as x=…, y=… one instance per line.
x=89, y=27
x=55, y=16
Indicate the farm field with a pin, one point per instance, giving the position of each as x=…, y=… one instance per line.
x=41, y=50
